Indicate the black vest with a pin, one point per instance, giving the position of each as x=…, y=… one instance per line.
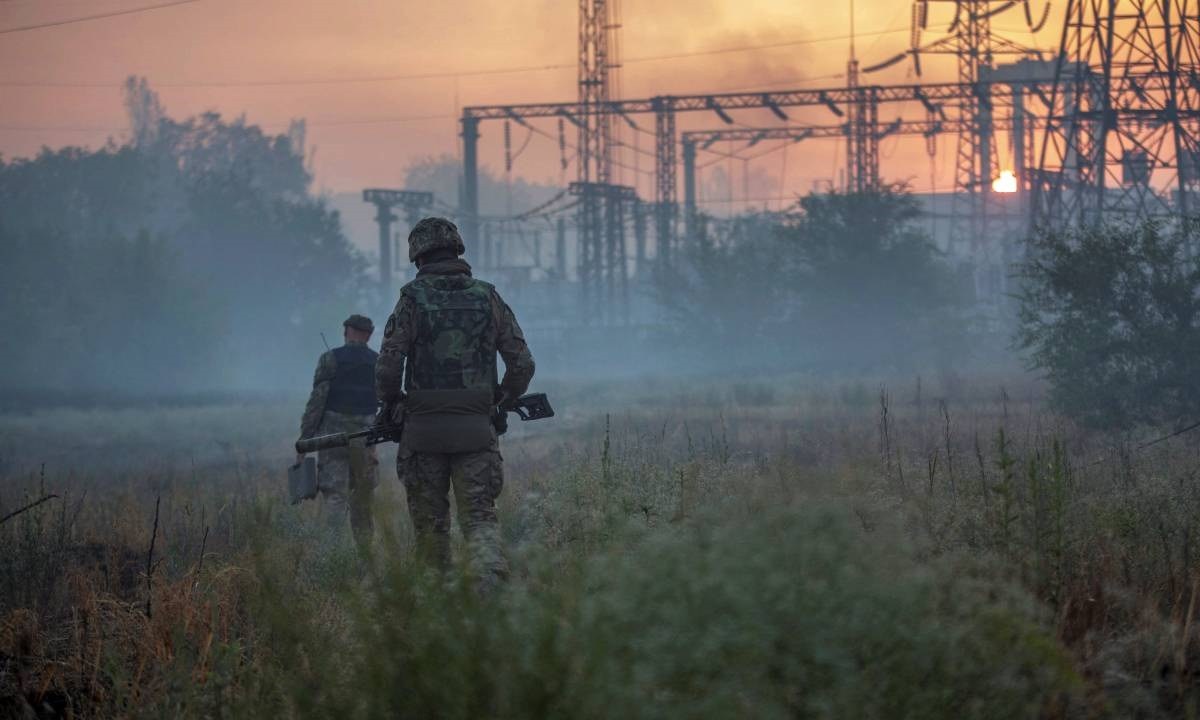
x=352, y=391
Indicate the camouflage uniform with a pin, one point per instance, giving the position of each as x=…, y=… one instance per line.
x=346, y=477
x=440, y=347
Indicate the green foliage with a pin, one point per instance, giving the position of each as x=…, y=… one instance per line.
x=1112, y=316
x=72, y=304
x=147, y=267
x=690, y=554
x=796, y=615
x=846, y=282
x=874, y=291
x=728, y=292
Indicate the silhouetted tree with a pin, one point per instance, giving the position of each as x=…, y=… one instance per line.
x=724, y=292
x=1112, y=316
x=194, y=242
x=845, y=281
x=872, y=289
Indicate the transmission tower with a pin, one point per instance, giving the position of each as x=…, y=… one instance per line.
x=1124, y=132
x=862, y=119
x=979, y=218
x=971, y=39
x=594, y=162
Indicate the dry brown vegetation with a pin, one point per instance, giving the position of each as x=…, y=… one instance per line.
x=790, y=547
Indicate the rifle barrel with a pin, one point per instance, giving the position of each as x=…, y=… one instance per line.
x=322, y=442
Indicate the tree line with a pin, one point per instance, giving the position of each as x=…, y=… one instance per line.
x=193, y=256
x=1108, y=314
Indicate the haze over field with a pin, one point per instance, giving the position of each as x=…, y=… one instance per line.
x=824, y=444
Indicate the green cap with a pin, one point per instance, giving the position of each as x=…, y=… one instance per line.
x=360, y=322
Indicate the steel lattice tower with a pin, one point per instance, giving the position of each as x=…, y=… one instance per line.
x=862, y=123
x=972, y=41
x=1124, y=130
x=594, y=162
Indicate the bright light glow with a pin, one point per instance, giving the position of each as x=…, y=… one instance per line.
x=1006, y=183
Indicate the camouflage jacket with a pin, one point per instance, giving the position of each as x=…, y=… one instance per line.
x=402, y=332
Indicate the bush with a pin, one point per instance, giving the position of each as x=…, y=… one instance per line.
x=797, y=615
x=148, y=268
x=874, y=291
x=1112, y=316
x=849, y=282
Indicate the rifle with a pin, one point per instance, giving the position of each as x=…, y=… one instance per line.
x=534, y=406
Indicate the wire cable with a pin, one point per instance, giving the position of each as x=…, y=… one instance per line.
x=555, y=138
x=413, y=76
x=97, y=16
x=767, y=46
x=264, y=125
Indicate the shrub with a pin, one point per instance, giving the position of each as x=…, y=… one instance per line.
x=798, y=615
x=1112, y=316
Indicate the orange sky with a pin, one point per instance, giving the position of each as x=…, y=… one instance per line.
x=353, y=125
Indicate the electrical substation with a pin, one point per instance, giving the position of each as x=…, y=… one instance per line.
x=1106, y=126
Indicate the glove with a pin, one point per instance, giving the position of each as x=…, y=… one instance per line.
x=500, y=421
x=505, y=401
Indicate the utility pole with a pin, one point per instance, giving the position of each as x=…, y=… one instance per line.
x=414, y=203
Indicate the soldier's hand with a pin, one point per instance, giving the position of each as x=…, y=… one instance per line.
x=299, y=459
x=390, y=414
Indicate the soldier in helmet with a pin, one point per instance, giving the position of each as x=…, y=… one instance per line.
x=437, y=368
x=343, y=400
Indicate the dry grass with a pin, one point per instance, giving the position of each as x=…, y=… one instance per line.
x=984, y=492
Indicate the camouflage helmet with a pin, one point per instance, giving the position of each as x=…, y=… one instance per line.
x=434, y=233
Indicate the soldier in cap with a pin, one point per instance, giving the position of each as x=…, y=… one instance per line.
x=343, y=400
x=437, y=368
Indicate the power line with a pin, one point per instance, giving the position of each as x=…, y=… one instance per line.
x=97, y=16
x=768, y=46
x=52, y=128
x=572, y=146
x=434, y=75
x=316, y=123
x=733, y=201
x=302, y=81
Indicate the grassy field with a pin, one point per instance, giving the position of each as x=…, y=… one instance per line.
x=784, y=547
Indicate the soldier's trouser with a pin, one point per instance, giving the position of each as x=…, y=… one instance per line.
x=347, y=477
x=477, y=479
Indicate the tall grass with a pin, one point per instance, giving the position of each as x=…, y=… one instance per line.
x=767, y=549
